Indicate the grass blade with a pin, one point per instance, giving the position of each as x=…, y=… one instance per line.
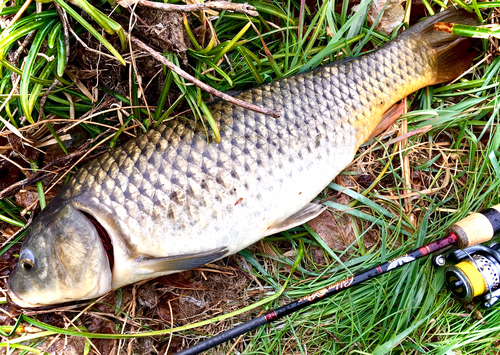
x=91, y=29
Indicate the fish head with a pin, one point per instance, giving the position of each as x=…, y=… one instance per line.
x=62, y=259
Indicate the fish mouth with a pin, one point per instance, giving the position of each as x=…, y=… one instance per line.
x=16, y=301
x=19, y=304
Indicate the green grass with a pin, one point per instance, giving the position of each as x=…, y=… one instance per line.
x=407, y=311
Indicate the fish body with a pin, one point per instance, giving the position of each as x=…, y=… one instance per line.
x=170, y=201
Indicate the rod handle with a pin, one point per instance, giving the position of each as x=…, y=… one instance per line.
x=477, y=228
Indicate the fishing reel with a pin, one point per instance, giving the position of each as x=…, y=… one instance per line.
x=473, y=272
x=473, y=269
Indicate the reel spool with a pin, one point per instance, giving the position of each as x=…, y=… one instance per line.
x=474, y=269
x=475, y=272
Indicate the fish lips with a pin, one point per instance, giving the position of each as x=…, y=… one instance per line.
x=20, y=304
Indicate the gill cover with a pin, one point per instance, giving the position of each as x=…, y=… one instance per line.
x=62, y=259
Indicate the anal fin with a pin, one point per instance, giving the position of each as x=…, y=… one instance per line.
x=307, y=213
x=151, y=265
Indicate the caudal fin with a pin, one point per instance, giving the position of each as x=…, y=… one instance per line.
x=454, y=54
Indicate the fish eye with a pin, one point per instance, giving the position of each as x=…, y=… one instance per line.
x=27, y=264
x=27, y=260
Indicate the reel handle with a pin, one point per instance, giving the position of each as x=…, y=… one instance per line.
x=477, y=228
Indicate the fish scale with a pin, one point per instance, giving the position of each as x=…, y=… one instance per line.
x=173, y=198
x=170, y=187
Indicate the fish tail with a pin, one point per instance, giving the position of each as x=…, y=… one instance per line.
x=453, y=54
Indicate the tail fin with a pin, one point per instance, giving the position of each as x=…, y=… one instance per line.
x=454, y=54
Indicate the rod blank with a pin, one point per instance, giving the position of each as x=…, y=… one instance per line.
x=328, y=291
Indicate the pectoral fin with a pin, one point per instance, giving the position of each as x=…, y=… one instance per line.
x=151, y=265
x=307, y=213
x=391, y=115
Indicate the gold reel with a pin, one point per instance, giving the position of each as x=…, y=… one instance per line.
x=478, y=275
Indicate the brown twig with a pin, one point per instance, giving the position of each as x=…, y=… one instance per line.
x=20, y=12
x=211, y=5
x=42, y=174
x=199, y=83
x=234, y=345
x=4, y=162
x=13, y=236
x=13, y=57
x=44, y=98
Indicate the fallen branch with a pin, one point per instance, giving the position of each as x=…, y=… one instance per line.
x=44, y=98
x=199, y=83
x=211, y=5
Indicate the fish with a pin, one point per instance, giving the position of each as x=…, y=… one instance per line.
x=169, y=200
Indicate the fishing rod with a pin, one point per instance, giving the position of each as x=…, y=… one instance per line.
x=477, y=272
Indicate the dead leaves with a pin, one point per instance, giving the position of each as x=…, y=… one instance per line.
x=338, y=231
x=67, y=346
x=146, y=296
x=165, y=30
x=9, y=232
x=180, y=281
x=23, y=149
x=337, y=234
x=103, y=326
x=392, y=17
x=9, y=174
x=29, y=196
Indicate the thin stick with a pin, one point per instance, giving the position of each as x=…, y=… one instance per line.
x=14, y=235
x=44, y=98
x=234, y=345
x=171, y=327
x=211, y=5
x=328, y=291
x=199, y=83
x=14, y=58
x=20, y=12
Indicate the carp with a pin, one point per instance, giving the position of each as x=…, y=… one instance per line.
x=169, y=200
